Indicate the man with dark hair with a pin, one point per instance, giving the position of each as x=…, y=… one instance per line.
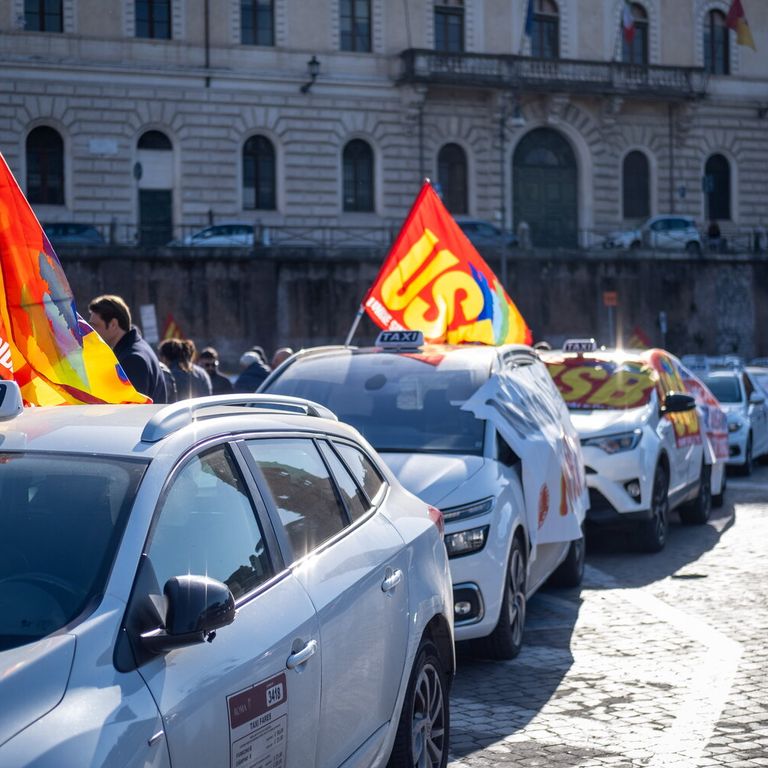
x=208, y=359
x=111, y=319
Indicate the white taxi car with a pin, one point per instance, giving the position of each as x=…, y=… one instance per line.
x=481, y=433
x=228, y=581
x=641, y=437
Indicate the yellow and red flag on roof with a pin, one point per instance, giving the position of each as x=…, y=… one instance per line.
x=434, y=281
x=45, y=346
x=737, y=21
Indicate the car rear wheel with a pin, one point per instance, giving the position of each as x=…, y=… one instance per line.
x=653, y=532
x=571, y=571
x=693, y=247
x=506, y=640
x=422, y=733
x=697, y=512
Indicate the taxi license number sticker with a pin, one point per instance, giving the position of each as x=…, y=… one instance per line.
x=258, y=724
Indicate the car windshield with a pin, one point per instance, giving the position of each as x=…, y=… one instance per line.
x=61, y=520
x=399, y=402
x=588, y=384
x=725, y=388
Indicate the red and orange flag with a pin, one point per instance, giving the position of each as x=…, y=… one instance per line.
x=45, y=346
x=737, y=21
x=434, y=281
x=172, y=329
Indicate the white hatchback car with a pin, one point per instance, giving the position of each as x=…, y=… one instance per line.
x=666, y=232
x=641, y=436
x=228, y=581
x=482, y=433
x=234, y=235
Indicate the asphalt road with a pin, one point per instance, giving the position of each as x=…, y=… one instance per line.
x=658, y=661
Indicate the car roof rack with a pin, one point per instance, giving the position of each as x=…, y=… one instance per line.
x=176, y=416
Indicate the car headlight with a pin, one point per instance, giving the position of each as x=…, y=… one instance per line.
x=735, y=425
x=473, y=509
x=623, y=441
x=466, y=542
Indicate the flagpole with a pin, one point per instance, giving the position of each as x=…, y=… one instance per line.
x=355, y=323
x=525, y=24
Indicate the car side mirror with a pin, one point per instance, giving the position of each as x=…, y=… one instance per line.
x=677, y=402
x=196, y=607
x=756, y=399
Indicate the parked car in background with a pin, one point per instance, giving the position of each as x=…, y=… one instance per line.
x=484, y=234
x=641, y=437
x=232, y=580
x=66, y=232
x=220, y=236
x=508, y=476
x=665, y=232
x=744, y=402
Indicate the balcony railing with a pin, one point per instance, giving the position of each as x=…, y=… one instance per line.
x=525, y=73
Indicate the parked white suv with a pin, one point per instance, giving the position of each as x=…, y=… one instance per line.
x=235, y=580
x=482, y=433
x=670, y=232
x=641, y=436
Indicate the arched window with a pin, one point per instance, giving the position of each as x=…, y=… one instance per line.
x=634, y=49
x=153, y=19
x=355, y=25
x=452, y=177
x=358, y=176
x=259, y=174
x=716, y=48
x=449, y=25
x=717, y=182
x=45, y=167
x=636, y=191
x=43, y=16
x=545, y=35
x=154, y=140
x=257, y=22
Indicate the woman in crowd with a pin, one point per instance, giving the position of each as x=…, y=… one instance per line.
x=191, y=380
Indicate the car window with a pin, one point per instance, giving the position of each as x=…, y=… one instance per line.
x=487, y=230
x=658, y=226
x=355, y=500
x=725, y=388
x=309, y=508
x=602, y=384
x=363, y=470
x=206, y=526
x=61, y=520
x=399, y=402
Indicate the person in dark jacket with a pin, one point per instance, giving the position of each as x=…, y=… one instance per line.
x=208, y=360
x=111, y=319
x=256, y=370
x=191, y=380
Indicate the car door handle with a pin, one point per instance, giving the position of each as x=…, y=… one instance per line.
x=392, y=580
x=302, y=656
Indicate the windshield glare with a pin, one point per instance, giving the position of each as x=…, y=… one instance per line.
x=725, y=388
x=399, y=402
x=61, y=520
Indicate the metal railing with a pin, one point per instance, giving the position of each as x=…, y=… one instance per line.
x=524, y=72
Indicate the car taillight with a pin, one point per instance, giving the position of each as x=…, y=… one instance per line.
x=436, y=516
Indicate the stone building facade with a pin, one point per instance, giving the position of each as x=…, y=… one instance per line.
x=147, y=117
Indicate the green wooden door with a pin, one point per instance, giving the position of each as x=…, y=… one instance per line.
x=545, y=188
x=155, y=216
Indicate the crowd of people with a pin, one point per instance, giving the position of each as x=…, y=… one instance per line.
x=176, y=371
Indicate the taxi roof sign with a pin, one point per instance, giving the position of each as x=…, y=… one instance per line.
x=580, y=345
x=11, y=403
x=400, y=339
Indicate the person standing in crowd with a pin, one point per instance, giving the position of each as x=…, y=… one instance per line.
x=208, y=360
x=256, y=370
x=280, y=356
x=191, y=380
x=111, y=319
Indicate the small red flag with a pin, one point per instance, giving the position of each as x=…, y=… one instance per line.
x=737, y=21
x=172, y=329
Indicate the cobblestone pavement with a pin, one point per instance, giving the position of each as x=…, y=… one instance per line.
x=658, y=660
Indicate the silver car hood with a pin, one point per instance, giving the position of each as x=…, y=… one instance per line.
x=604, y=422
x=33, y=679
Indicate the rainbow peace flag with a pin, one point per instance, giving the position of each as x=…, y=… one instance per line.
x=45, y=346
